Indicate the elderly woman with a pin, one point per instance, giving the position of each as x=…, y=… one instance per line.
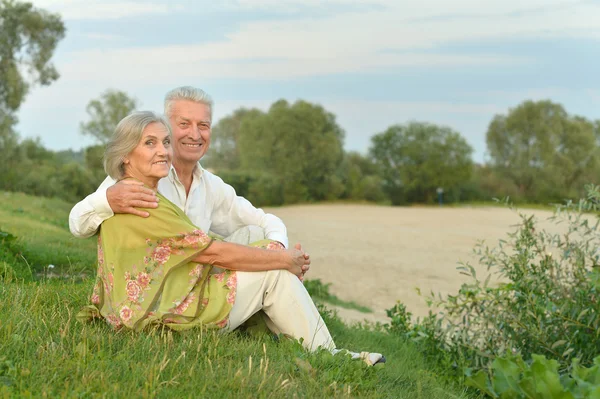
x=163, y=270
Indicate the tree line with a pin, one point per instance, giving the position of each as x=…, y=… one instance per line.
x=294, y=152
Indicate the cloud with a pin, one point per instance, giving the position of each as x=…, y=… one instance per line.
x=353, y=37
x=104, y=36
x=100, y=10
x=367, y=41
x=193, y=62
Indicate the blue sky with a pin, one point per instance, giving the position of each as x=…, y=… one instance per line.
x=373, y=63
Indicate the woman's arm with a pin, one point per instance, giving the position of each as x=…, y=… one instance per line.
x=248, y=259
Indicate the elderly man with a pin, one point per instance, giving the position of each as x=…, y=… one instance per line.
x=211, y=204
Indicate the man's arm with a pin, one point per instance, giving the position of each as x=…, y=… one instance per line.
x=110, y=198
x=232, y=212
x=88, y=214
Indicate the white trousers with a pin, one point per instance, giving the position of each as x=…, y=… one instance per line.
x=290, y=309
x=281, y=296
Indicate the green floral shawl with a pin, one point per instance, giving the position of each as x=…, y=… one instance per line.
x=145, y=274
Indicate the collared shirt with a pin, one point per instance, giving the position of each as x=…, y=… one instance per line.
x=212, y=205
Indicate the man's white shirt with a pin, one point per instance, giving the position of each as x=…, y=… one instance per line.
x=212, y=205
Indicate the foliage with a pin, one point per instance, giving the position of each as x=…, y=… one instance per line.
x=28, y=37
x=544, y=151
x=41, y=172
x=490, y=183
x=70, y=156
x=540, y=378
x=105, y=113
x=261, y=189
x=27, y=41
x=417, y=158
x=546, y=302
x=9, y=250
x=224, y=149
x=360, y=178
x=300, y=144
x=94, y=163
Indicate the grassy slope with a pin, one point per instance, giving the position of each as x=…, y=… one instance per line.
x=45, y=351
x=42, y=228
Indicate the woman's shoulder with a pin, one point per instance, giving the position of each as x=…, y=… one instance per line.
x=165, y=211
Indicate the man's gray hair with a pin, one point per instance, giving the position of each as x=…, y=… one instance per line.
x=188, y=93
x=126, y=137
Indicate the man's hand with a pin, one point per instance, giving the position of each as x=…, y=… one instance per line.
x=127, y=195
x=306, y=265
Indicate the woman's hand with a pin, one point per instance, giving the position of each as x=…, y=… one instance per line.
x=299, y=261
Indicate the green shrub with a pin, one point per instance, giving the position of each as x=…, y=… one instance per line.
x=511, y=377
x=547, y=303
x=10, y=261
x=260, y=189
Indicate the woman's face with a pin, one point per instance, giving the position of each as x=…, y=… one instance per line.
x=150, y=161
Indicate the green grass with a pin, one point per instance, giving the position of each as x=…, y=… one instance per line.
x=320, y=292
x=46, y=352
x=41, y=226
x=500, y=204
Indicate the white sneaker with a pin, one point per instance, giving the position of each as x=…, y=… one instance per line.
x=370, y=358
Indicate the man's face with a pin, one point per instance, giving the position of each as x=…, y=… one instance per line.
x=191, y=124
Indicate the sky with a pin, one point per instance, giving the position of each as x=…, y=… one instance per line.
x=372, y=63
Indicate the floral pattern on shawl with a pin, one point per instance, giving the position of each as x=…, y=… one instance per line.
x=146, y=275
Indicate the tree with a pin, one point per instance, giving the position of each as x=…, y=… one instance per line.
x=361, y=178
x=417, y=158
x=106, y=112
x=544, y=151
x=299, y=144
x=27, y=41
x=94, y=162
x=28, y=37
x=224, y=151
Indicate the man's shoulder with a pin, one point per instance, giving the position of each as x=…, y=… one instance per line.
x=209, y=176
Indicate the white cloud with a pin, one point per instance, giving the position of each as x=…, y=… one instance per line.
x=104, y=36
x=366, y=41
x=406, y=10
x=194, y=63
x=98, y=9
x=394, y=35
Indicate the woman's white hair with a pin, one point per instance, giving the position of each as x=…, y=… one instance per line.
x=126, y=137
x=187, y=93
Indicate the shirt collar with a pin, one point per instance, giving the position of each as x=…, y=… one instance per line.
x=197, y=174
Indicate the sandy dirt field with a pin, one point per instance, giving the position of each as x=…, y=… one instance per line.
x=375, y=255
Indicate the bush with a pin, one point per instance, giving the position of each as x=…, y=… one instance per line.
x=547, y=303
x=9, y=257
x=514, y=378
x=260, y=189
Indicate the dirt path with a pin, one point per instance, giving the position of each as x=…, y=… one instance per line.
x=376, y=255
